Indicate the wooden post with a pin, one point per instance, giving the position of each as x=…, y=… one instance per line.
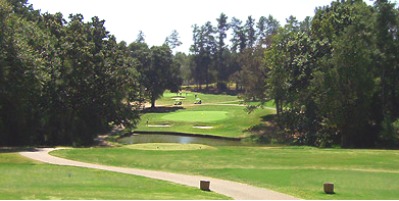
x=204, y=185
x=329, y=188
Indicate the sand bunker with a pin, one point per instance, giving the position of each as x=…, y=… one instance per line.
x=160, y=126
x=169, y=146
x=203, y=127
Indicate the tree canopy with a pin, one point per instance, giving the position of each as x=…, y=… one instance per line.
x=334, y=77
x=63, y=82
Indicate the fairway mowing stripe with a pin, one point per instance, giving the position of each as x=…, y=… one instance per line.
x=314, y=168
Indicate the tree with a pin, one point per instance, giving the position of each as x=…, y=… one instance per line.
x=183, y=61
x=173, y=40
x=204, y=50
x=387, y=43
x=196, y=71
x=253, y=74
x=266, y=28
x=163, y=73
x=250, y=32
x=21, y=76
x=222, y=73
x=305, y=25
x=140, y=37
x=157, y=70
x=239, y=39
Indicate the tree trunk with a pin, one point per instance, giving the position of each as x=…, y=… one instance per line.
x=207, y=78
x=152, y=102
x=279, y=111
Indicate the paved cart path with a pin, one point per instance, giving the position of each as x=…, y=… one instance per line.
x=231, y=189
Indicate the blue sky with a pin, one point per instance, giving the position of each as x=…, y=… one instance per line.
x=158, y=18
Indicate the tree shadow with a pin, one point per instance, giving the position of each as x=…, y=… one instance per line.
x=17, y=149
x=162, y=109
x=269, y=117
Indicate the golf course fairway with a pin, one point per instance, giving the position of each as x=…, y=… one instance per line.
x=197, y=116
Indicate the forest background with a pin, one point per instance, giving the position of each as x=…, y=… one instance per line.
x=333, y=77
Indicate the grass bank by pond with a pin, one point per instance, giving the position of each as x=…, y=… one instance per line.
x=24, y=179
x=301, y=172
x=218, y=120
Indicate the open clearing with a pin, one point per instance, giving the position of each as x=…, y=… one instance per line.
x=26, y=179
x=232, y=189
x=196, y=116
x=297, y=171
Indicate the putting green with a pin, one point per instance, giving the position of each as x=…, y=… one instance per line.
x=196, y=116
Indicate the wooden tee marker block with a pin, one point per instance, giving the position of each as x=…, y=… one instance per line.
x=329, y=188
x=204, y=185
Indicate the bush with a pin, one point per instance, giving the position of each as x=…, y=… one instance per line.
x=389, y=135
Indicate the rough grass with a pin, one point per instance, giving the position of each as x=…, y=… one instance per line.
x=298, y=171
x=24, y=179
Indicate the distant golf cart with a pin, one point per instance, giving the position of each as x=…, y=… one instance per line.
x=178, y=100
x=178, y=103
x=198, y=101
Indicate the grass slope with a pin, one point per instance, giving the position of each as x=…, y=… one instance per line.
x=196, y=116
x=227, y=121
x=23, y=179
x=301, y=172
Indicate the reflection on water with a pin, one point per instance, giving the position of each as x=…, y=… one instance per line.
x=162, y=138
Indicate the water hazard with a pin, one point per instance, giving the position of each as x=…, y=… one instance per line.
x=181, y=139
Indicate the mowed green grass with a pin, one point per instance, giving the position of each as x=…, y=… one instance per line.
x=24, y=179
x=190, y=98
x=219, y=115
x=196, y=116
x=298, y=171
x=224, y=120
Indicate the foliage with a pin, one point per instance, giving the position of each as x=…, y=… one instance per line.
x=58, y=78
x=334, y=78
x=173, y=40
x=157, y=69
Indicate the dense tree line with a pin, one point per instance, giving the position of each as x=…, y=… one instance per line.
x=212, y=60
x=65, y=81
x=333, y=77
x=335, y=80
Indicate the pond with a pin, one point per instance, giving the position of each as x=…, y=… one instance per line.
x=181, y=139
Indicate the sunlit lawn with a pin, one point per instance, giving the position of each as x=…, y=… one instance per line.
x=190, y=98
x=301, y=172
x=221, y=115
x=221, y=120
x=24, y=179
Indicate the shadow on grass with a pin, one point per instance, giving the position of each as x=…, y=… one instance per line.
x=162, y=109
x=269, y=117
x=16, y=149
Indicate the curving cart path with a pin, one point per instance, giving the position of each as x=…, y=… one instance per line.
x=231, y=189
